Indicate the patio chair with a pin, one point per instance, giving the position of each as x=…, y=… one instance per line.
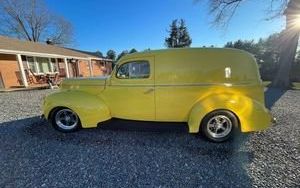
x=53, y=81
x=19, y=78
x=34, y=79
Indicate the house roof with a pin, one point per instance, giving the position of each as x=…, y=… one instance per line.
x=14, y=46
x=86, y=52
x=96, y=54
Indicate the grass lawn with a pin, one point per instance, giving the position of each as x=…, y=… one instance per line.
x=296, y=84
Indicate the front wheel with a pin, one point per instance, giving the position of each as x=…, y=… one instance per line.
x=65, y=120
x=219, y=126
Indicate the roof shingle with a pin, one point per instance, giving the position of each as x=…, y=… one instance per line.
x=11, y=44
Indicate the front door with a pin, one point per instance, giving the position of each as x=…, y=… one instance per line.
x=130, y=93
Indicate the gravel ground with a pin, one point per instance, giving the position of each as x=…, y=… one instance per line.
x=136, y=154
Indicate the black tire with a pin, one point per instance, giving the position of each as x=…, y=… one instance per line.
x=211, y=129
x=59, y=125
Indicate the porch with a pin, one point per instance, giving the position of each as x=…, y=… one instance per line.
x=33, y=64
x=32, y=71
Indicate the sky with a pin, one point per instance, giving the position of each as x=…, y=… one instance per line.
x=142, y=24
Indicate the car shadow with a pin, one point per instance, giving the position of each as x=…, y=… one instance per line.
x=195, y=157
x=143, y=126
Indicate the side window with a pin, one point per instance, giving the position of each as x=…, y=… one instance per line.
x=134, y=70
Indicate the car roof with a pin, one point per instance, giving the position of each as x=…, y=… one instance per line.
x=169, y=51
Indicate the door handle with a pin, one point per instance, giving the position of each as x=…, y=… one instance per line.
x=149, y=91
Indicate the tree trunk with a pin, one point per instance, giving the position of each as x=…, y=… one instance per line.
x=287, y=57
x=288, y=46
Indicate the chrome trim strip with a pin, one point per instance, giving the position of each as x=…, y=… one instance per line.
x=81, y=85
x=186, y=85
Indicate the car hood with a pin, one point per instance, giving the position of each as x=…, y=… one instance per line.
x=88, y=84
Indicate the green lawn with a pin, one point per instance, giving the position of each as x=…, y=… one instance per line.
x=296, y=84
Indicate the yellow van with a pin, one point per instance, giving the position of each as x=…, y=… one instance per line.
x=216, y=91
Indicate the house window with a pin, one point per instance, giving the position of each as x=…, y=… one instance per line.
x=54, y=65
x=31, y=64
x=43, y=64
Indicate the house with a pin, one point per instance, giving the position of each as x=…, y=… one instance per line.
x=30, y=64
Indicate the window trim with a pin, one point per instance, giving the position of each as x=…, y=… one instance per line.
x=133, y=61
x=36, y=65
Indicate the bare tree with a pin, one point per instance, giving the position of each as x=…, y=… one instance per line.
x=31, y=20
x=224, y=10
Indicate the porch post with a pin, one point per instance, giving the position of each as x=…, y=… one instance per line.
x=91, y=67
x=51, y=65
x=67, y=68
x=36, y=65
x=23, y=76
x=57, y=65
x=78, y=67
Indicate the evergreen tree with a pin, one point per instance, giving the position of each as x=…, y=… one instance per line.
x=111, y=54
x=99, y=53
x=178, y=35
x=133, y=50
x=123, y=53
x=184, y=39
x=172, y=40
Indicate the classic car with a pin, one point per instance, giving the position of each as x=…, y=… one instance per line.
x=215, y=91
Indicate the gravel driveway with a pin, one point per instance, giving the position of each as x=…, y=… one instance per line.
x=136, y=154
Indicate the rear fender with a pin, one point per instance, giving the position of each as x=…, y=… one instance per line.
x=252, y=115
x=91, y=109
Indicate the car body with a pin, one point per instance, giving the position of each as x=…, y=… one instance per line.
x=173, y=85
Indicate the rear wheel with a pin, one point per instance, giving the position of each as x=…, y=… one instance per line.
x=65, y=120
x=219, y=126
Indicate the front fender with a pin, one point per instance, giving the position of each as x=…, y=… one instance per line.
x=252, y=115
x=90, y=108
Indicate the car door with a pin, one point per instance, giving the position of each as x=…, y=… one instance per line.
x=131, y=90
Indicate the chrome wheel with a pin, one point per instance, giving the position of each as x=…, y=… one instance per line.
x=66, y=119
x=219, y=126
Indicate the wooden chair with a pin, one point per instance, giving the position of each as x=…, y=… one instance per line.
x=34, y=79
x=29, y=77
x=53, y=80
x=19, y=78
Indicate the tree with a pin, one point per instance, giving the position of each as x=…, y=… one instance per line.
x=223, y=10
x=184, y=39
x=289, y=42
x=172, y=40
x=298, y=58
x=31, y=20
x=111, y=54
x=178, y=35
x=123, y=53
x=247, y=45
x=98, y=53
x=133, y=50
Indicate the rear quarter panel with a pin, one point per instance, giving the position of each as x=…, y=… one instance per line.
x=251, y=113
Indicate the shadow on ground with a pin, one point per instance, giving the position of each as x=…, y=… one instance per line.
x=272, y=95
x=118, y=153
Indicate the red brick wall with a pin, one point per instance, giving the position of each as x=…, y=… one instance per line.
x=84, y=69
x=97, y=68
x=109, y=68
x=101, y=68
x=9, y=69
